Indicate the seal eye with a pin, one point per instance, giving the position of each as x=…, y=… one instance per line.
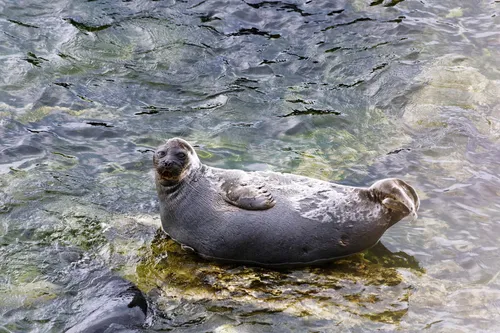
x=160, y=154
x=181, y=155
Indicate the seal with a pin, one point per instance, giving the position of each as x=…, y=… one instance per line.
x=268, y=218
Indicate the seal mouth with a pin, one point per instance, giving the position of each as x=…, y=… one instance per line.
x=169, y=170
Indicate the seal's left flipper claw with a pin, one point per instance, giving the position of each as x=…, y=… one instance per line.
x=251, y=197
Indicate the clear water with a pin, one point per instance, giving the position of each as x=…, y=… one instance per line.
x=350, y=91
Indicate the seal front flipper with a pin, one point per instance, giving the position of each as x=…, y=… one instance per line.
x=247, y=196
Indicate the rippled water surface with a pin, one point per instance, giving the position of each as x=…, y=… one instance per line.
x=350, y=91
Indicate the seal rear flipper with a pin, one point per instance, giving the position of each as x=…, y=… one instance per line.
x=397, y=196
x=247, y=196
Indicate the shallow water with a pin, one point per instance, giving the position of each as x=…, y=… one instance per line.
x=352, y=91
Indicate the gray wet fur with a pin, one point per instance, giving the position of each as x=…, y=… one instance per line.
x=274, y=219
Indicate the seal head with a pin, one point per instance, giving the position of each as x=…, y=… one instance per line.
x=174, y=161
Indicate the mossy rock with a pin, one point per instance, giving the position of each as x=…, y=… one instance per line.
x=451, y=83
x=28, y=294
x=361, y=280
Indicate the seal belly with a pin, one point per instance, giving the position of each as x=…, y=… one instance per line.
x=277, y=236
x=293, y=239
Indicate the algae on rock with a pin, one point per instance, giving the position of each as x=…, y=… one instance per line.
x=311, y=291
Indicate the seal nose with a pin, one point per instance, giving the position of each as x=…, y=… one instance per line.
x=411, y=205
x=167, y=163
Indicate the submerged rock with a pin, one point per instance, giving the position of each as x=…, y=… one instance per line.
x=453, y=88
x=367, y=285
x=111, y=304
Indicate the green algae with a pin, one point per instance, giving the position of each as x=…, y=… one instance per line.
x=314, y=163
x=406, y=296
x=455, y=12
x=306, y=292
x=35, y=115
x=113, y=168
x=27, y=294
x=390, y=317
x=430, y=324
x=84, y=232
x=379, y=254
x=166, y=260
x=203, y=154
x=85, y=27
x=34, y=60
x=63, y=155
x=180, y=269
x=361, y=298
